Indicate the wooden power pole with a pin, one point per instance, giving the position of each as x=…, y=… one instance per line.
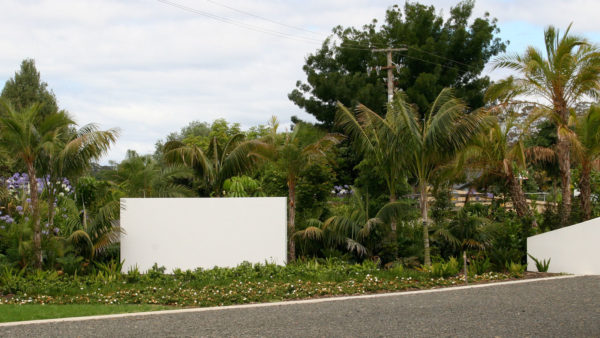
x=390, y=69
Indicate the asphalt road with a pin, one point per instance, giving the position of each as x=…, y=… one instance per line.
x=558, y=308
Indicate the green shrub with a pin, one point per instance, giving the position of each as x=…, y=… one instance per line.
x=515, y=269
x=70, y=263
x=11, y=280
x=542, y=266
x=443, y=269
x=480, y=266
x=133, y=274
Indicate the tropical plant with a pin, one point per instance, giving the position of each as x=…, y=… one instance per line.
x=28, y=136
x=92, y=235
x=567, y=73
x=380, y=139
x=291, y=154
x=143, y=176
x=500, y=152
x=353, y=228
x=421, y=147
x=220, y=161
x=541, y=266
x=587, y=151
x=242, y=186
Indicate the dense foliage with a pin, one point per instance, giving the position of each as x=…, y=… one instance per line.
x=434, y=175
x=441, y=52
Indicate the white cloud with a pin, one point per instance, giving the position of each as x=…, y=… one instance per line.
x=150, y=68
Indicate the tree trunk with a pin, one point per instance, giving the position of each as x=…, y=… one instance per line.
x=518, y=197
x=291, y=220
x=425, y=218
x=37, y=231
x=468, y=196
x=564, y=157
x=586, y=190
x=564, y=164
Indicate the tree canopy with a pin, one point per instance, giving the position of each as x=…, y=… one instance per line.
x=440, y=53
x=26, y=88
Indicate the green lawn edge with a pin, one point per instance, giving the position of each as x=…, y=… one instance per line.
x=25, y=312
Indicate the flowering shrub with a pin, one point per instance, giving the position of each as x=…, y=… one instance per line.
x=341, y=190
x=246, y=283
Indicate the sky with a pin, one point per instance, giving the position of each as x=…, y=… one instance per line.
x=151, y=67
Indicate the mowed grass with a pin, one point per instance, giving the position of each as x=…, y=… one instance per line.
x=14, y=313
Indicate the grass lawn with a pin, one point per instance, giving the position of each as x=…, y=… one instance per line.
x=13, y=312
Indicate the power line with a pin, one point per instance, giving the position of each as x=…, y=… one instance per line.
x=266, y=19
x=240, y=24
x=350, y=45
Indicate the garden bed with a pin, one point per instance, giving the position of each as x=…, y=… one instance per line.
x=222, y=286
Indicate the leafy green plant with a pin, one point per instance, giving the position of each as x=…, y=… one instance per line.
x=515, y=269
x=156, y=271
x=542, y=266
x=133, y=274
x=70, y=263
x=10, y=280
x=109, y=271
x=480, y=266
x=442, y=269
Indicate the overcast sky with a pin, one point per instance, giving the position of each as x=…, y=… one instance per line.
x=150, y=68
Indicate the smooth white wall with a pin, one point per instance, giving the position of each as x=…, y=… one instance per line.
x=573, y=249
x=188, y=233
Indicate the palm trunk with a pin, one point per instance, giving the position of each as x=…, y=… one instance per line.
x=425, y=218
x=564, y=158
x=393, y=238
x=586, y=190
x=37, y=231
x=291, y=219
x=51, y=209
x=564, y=164
x=518, y=197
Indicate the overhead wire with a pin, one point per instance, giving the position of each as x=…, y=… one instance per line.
x=351, y=45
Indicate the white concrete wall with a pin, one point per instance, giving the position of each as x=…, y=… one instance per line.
x=188, y=233
x=573, y=249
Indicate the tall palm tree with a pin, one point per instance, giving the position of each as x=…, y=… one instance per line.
x=380, y=138
x=27, y=135
x=421, y=148
x=499, y=152
x=569, y=71
x=72, y=156
x=292, y=154
x=587, y=150
x=435, y=141
x=219, y=162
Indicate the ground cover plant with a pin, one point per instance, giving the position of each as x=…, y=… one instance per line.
x=246, y=283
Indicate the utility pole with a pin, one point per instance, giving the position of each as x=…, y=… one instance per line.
x=390, y=69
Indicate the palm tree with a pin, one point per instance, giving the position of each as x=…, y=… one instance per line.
x=382, y=140
x=27, y=135
x=568, y=72
x=72, y=156
x=587, y=150
x=291, y=155
x=142, y=176
x=92, y=235
x=219, y=162
x=499, y=152
x=419, y=147
x=353, y=228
